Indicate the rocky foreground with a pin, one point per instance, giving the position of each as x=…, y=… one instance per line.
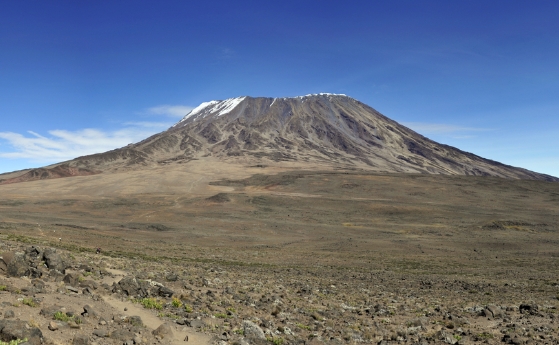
x=53, y=296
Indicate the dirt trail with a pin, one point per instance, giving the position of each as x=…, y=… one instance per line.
x=180, y=333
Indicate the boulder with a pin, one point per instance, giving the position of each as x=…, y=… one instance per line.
x=34, y=252
x=56, y=276
x=252, y=330
x=53, y=260
x=163, y=331
x=135, y=321
x=87, y=310
x=129, y=285
x=165, y=292
x=18, y=265
x=122, y=335
x=72, y=279
x=172, y=277
x=16, y=329
x=101, y=333
x=88, y=284
x=495, y=311
x=80, y=339
x=528, y=308
x=4, y=260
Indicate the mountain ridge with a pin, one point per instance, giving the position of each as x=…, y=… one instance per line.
x=328, y=129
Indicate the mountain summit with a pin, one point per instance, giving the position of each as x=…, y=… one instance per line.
x=323, y=129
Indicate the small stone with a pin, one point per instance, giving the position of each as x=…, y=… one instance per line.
x=72, y=289
x=88, y=311
x=101, y=333
x=135, y=321
x=53, y=326
x=8, y=314
x=163, y=331
x=81, y=339
x=125, y=309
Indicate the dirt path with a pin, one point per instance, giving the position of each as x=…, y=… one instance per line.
x=180, y=333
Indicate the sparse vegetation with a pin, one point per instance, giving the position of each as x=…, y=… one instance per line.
x=275, y=340
x=169, y=315
x=395, y=267
x=300, y=325
x=151, y=303
x=29, y=301
x=61, y=316
x=13, y=342
x=177, y=303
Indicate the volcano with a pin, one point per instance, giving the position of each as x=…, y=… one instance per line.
x=327, y=130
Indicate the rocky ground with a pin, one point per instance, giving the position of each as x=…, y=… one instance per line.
x=300, y=257
x=54, y=296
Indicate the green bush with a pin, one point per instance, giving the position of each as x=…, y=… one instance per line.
x=300, y=325
x=177, y=302
x=275, y=341
x=151, y=303
x=13, y=342
x=29, y=301
x=60, y=316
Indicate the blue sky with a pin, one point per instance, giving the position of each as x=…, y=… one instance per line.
x=88, y=76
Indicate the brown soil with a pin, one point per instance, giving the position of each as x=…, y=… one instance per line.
x=356, y=256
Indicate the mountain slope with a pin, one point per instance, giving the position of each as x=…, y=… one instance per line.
x=325, y=129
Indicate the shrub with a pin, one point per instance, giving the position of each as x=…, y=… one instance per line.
x=177, y=302
x=60, y=316
x=151, y=303
x=275, y=341
x=187, y=308
x=13, y=342
x=29, y=301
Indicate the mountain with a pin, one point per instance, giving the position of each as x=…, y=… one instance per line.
x=326, y=130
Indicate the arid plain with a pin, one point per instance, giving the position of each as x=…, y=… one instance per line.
x=372, y=253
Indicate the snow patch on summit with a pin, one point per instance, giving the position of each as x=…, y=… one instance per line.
x=197, y=110
x=226, y=106
x=211, y=107
x=322, y=94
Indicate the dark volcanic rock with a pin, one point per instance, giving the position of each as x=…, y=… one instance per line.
x=16, y=329
x=53, y=260
x=129, y=285
x=18, y=266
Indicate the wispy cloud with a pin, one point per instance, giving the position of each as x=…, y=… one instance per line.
x=440, y=128
x=150, y=124
x=60, y=145
x=170, y=110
